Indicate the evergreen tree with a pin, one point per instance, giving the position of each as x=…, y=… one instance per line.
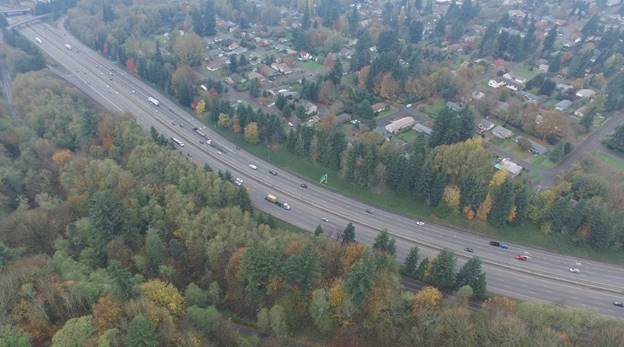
x=123, y=283
x=154, y=251
x=555, y=63
x=423, y=268
x=305, y=22
x=415, y=31
x=549, y=40
x=385, y=243
x=502, y=205
x=354, y=20
x=469, y=273
x=348, y=235
x=318, y=231
x=410, y=266
x=442, y=270
x=480, y=287
x=141, y=333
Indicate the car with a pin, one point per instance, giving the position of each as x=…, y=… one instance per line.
x=325, y=219
x=133, y=91
x=172, y=123
x=237, y=147
x=419, y=222
x=219, y=152
x=303, y=185
x=273, y=172
x=189, y=155
x=522, y=257
x=369, y=211
x=495, y=243
x=504, y=246
x=408, y=106
x=469, y=250
x=286, y=206
x=201, y=142
x=618, y=303
x=253, y=167
x=238, y=181
x=575, y=270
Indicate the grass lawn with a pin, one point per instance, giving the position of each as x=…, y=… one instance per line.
x=434, y=109
x=522, y=70
x=542, y=161
x=612, y=161
x=550, y=103
x=385, y=114
x=526, y=234
x=311, y=66
x=409, y=136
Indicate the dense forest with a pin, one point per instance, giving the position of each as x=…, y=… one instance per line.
x=110, y=237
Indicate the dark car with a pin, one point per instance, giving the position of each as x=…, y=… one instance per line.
x=303, y=185
x=469, y=250
x=369, y=211
x=495, y=243
x=273, y=172
x=618, y=303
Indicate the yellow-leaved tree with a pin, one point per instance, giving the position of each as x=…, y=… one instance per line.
x=428, y=298
x=164, y=295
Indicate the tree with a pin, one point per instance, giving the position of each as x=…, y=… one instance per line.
x=549, y=40
x=203, y=19
x=106, y=217
x=360, y=280
x=141, y=333
x=277, y=316
x=348, y=235
x=320, y=311
x=442, y=270
x=303, y=270
x=616, y=141
x=410, y=266
x=335, y=74
x=502, y=204
x=415, y=31
x=385, y=243
x=251, y=133
x=154, y=251
x=182, y=82
x=423, y=269
x=164, y=295
x=74, y=333
x=451, y=127
x=305, y=22
x=204, y=319
x=479, y=287
x=106, y=313
x=469, y=273
x=123, y=284
x=318, y=231
x=11, y=336
x=254, y=88
x=189, y=49
x=195, y=296
x=200, y=108
x=263, y=321
x=426, y=299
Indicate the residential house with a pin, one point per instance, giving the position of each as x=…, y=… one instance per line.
x=312, y=121
x=585, y=93
x=537, y=148
x=530, y=97
x=422, y=129
x=343, y=118
x=400, y=124
x=582, y=111
x=485, y=125
x=215, y=65
x=254, y=75
x=501, y=132
x=310, y=108
x=455, y=106
x=495, y=85
x=563, y=105
x=379, y=107
x=509, y=166
x=304, y=56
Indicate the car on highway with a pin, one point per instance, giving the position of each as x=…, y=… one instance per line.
x=419, y=222
x=369, y=211
x=469, y=250
x=253, y=167
x=201, y=142
x=575, y=270
x=303, y=185
x=273, y=172
x=325, y=219
x=522, y=257
x=495, y=243
x=504, y=246
x=285, y=206
x=618, y=303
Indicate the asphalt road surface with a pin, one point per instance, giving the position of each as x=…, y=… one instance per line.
x=544, y=277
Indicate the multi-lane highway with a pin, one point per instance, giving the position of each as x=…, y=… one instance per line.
x=544, y=277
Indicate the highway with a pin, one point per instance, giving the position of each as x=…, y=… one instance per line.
x=544, y=277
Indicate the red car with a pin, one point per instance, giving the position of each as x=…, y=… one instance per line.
x=522, y=257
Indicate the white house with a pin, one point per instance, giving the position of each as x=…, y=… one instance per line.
x=400, y=124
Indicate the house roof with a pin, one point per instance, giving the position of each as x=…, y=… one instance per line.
x=501, y=132
x=400, y=124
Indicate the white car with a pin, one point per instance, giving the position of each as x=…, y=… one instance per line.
x=286, y=206
x=253, y=167
x=419, y=222
x=238, y=181
x=408, y=106
x=325, y=219
x=575, y=270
